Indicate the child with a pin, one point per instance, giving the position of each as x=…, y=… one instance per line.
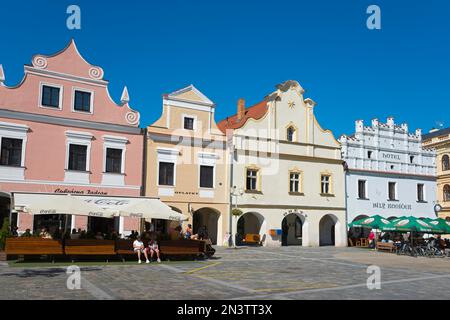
x=138, y=247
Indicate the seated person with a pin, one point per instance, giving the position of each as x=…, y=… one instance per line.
x=153, y=248
x=74, y=235
x=27, y=234
x=45, y=234
x=138, y=247
x=188, y=234
x=99, y=236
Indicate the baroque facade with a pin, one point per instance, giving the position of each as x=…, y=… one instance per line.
x=439, y=140
x=61, y=133
x=388, y=172
x=186, y=162
x=288, y=170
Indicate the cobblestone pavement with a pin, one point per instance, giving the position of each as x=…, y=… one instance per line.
x=245, y=273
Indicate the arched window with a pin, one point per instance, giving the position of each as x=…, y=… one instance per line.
x=445, y=163
x=447, y=192
x=290, y=134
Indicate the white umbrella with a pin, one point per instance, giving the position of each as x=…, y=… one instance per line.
x=45, y=204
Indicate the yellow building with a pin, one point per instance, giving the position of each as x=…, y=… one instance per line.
x=186, y=162
x=440, y=141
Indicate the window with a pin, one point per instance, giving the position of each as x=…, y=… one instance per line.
x=11, y=152
x=252, y=179
x=82, y=101
x=166, y=173
x=188, y=123
x=290, y=134
x=77, y=157
x=369, y=154
x=392, y=191
x=206, y=177
x=411, y=159
x=362, y=189
x=325, y=184
x=294, y=182
x=445, y=163
x=447, y=193
x=113, y=160
x=420, y=193
x=50, y=97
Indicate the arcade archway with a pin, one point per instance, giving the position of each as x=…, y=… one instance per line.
x=327, y=230
x=248, y=223
x=292, y=230
x=5, y=207
x=206, y=218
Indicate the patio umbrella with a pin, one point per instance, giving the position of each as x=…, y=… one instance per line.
x=440, y=224
x=410, y=224
x=374, y=222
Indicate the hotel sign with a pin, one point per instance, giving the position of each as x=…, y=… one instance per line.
x=390, y=206
x=387, y=156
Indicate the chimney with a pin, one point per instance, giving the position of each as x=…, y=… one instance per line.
x=241, y=109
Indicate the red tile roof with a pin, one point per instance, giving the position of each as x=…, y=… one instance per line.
x=255, y=112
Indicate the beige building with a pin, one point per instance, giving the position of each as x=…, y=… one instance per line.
x=287, y=171
x=186, y=162
x=440, y=141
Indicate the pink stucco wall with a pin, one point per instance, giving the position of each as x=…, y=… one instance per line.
x=45, y=153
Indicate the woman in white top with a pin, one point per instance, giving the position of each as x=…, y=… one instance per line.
x=138, y=247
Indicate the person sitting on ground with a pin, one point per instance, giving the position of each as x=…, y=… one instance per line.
x=45, y=234
x=153, y=248
x=138, y=247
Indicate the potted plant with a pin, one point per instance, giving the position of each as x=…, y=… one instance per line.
x=5, y=232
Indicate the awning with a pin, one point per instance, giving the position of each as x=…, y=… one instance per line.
x=97, y=206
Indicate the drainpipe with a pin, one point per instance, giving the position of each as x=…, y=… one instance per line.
x=144, y=134
x=346, y=172
x=230, y=220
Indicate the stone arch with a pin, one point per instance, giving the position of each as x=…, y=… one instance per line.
x=249, y=223
x=329, y=230
x=359, y=232
x=209, y=218
x=293, y=228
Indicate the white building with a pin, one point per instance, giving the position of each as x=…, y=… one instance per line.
x=389, y=173
x=289, y=171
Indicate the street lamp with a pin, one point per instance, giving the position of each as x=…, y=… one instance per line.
x=234, y=193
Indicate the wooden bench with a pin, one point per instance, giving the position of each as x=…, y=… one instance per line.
x=182, y=247
x=386, y=246
x=124, y=247
x=252, y=238
x=33, y=246
x=88, y=247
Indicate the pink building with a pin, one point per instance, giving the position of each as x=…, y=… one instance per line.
x=60, y=132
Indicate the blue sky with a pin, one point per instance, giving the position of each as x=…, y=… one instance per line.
x=232, y=49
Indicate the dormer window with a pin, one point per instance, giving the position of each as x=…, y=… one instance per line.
x=189, y=122
x=290, y=134
x=50, y=97
x=82, y=101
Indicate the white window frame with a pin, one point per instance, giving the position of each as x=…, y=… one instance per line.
x=207, y=159
x=183, y=116
x=14, y=131
x=114, y=142
x=423, y=191
x=61, y=95
x=395, y=191
x=366, y=189
x=79, y=138
x=73, y=100
x=295, y=180
x=167, y=155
